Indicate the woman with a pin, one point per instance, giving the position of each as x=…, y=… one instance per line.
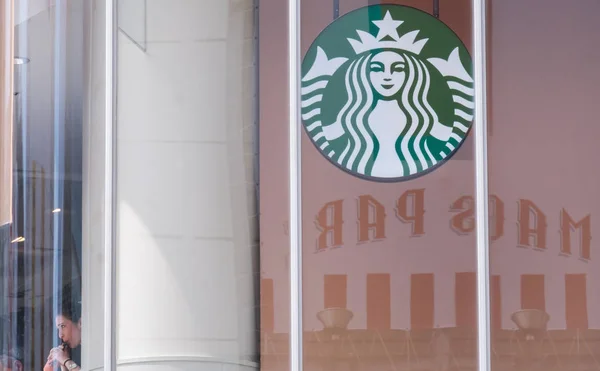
x=68, y=354
x=387, y=122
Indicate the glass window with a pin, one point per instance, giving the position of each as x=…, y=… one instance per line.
x=543, y=79
x=51, y=184
x=388, y=247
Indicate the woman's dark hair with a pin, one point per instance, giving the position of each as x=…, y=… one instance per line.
x=70, y=309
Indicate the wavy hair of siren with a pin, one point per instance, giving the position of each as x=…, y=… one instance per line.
x=359, y=153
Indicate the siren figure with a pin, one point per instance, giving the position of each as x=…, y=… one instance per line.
x=387, y=117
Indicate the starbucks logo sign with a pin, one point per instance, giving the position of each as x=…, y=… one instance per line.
x=387, y=93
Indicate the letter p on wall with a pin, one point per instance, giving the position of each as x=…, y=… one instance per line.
x=410, y=208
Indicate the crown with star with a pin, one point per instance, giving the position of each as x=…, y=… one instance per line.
x=387, y=38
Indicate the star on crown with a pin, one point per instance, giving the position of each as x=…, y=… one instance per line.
x=387, y=38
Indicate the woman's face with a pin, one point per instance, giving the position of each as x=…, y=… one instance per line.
x=387, y=73
x=68, y=331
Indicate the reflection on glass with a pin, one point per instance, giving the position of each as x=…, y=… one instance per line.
x=274, y=190
x=542, y=176
x=41, y=246
x=378, y=295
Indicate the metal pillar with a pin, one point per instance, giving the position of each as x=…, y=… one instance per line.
x=295, y=176
x=109, y=181
x=481, y=188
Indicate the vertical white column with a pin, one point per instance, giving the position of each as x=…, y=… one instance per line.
x=186, y=214
x=6, y=150
x=59, y=64
x=94, y=165
x=6, y=108
x=481, y=186
x=295, y=184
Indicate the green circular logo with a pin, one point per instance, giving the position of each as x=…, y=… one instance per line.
x=387, y=92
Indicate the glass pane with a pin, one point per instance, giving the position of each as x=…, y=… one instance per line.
x=50, y=201
x=188, y=279
x=543, y=184
x=274, y=186
x=389, y=245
